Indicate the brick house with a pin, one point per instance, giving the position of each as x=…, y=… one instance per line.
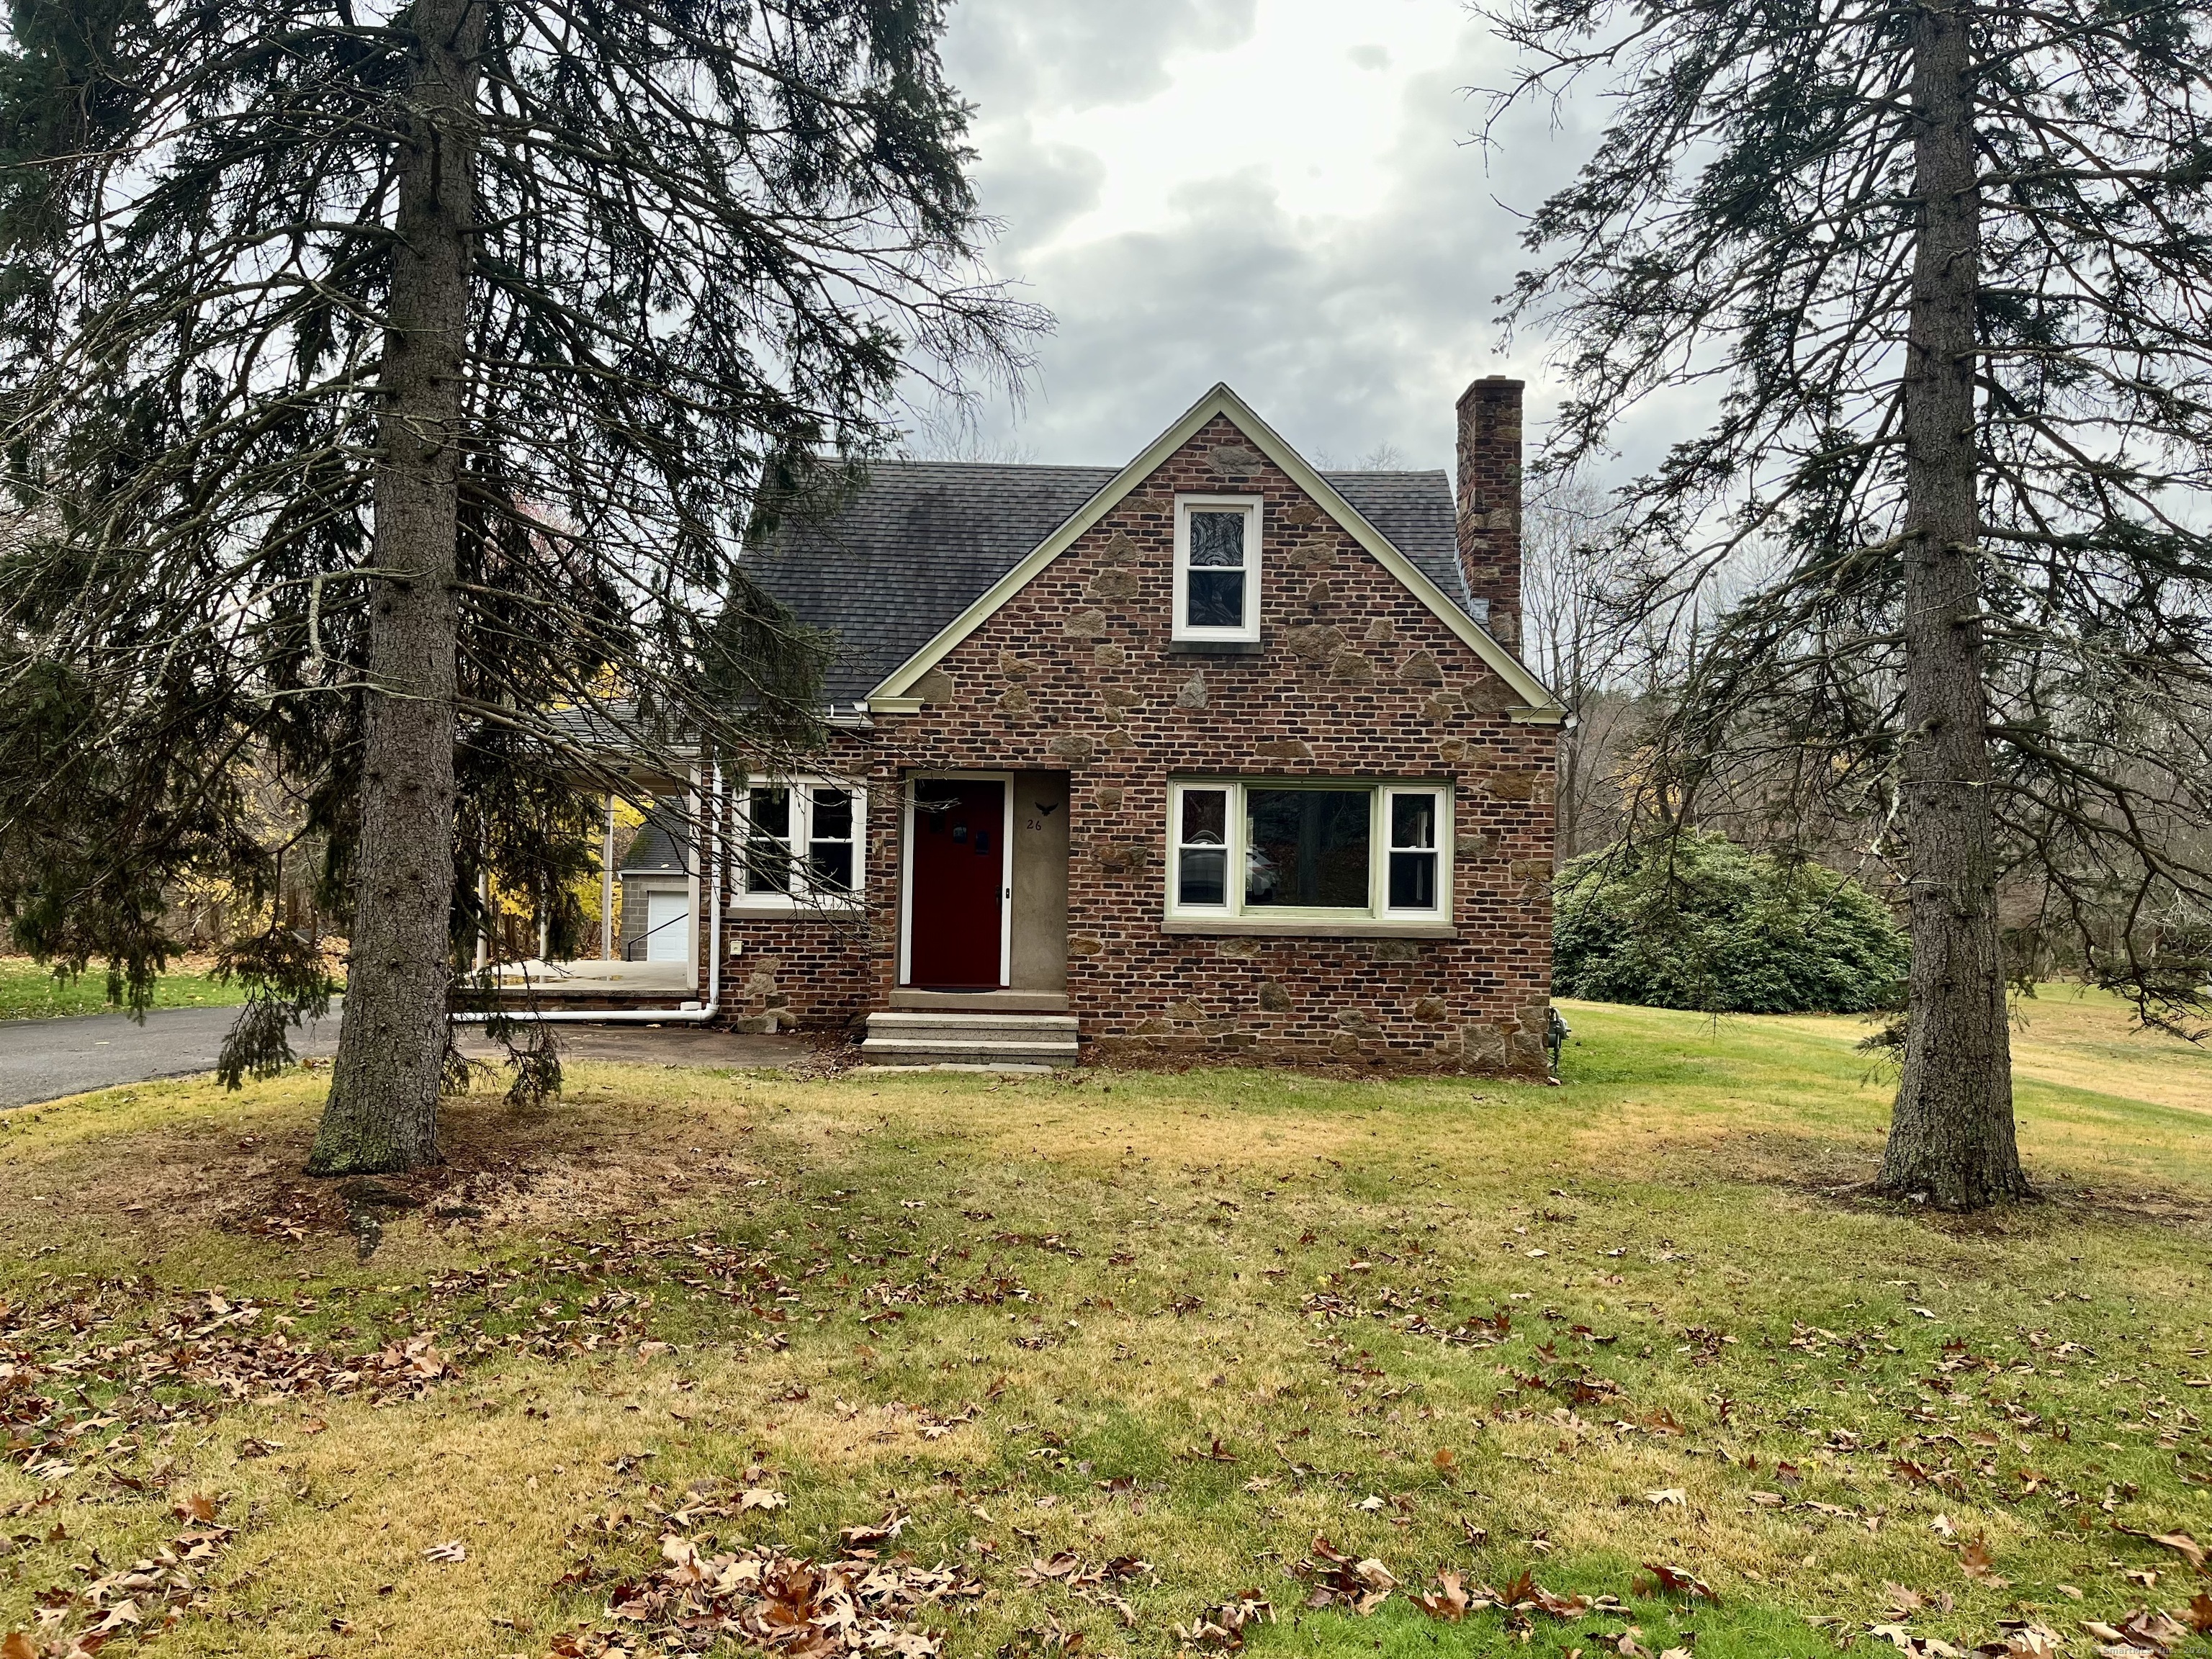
x=1213, y=754
x=1210, y=756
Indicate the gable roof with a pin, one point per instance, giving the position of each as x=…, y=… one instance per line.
x=910, y=551
x=920, y=540
x=928, y=549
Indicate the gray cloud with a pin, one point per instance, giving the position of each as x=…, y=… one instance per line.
x=1014, y=55
x=1035, y=190
x=1348, y=332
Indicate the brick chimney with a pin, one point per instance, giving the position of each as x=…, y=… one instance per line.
x=1489, y=501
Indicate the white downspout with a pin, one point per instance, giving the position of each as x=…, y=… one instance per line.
x=690, y=1016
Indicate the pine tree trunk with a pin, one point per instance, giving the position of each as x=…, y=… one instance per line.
x=382, y=1114
x=1951, y=1138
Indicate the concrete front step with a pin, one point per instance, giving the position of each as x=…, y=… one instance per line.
x=933, y=1039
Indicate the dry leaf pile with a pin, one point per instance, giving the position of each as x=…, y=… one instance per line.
x=1221, y=1629
x=759, y=1595
x=2149, y=1634
x=214, y=1344
x=1337, y=1580
x=1090, y=1582
x=147, y=1596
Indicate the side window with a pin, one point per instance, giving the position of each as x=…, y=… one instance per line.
x=1202, y=849
x=800, y=841
x=830, y=841
x=1217, y=586
x=768, y=841
x=1414, y=831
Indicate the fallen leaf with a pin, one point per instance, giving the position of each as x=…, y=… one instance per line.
x=1673, y=1495
x=453, y=1551
x=2179, y=1542
x=1674, y=1581
x=1448, y=1602
x=760, y=1498
x=2199, y=1614
x=1975, y=1562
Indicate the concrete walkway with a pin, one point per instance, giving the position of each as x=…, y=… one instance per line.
x=46, y=1059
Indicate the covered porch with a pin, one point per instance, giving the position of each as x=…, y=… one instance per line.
x=651, y=905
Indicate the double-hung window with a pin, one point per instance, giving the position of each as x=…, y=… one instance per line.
x=1278, y=850
x=800, y=845
x=1217, y=568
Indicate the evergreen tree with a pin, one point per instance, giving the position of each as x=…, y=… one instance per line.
x=384, y=383
x=1940, y=266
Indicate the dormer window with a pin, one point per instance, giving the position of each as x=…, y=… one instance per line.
x=1217, y=569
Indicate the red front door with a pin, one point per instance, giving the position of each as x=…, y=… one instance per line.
x=959, y=884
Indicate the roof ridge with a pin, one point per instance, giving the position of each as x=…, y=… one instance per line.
x=1383, y=472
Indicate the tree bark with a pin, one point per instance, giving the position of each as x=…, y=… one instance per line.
x=382, y=1114
x=1951, y=1138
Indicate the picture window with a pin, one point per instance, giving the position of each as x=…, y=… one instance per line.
x=1328, y=850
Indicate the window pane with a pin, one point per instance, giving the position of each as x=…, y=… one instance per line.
x=1204, y=875
x=1413, y=820
x=1307, y=847
x=771, y=813
x=829, y=864
x=767, y=867
x=768, y=852
x=833, y=815
x=1217, y=540
x=1217, y=599
x=1204, y=817
x=1413, y=881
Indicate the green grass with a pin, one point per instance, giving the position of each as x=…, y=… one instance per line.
x=1023, y=1313
x=28, y=991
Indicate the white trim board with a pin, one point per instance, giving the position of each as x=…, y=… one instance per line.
x=896, y=696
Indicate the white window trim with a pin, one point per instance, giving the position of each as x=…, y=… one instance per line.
x=1377, y=916
x=1249, y=506
x=802, y=897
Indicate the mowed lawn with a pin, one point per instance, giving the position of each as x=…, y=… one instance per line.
x=1132, y=1359
x=28, y=991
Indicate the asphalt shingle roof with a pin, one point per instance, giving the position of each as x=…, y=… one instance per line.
x=657, y=849
x=921, y=540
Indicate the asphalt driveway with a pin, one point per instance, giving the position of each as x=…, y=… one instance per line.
x=46, y=1059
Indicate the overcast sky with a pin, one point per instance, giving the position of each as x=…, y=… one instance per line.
x=1275, y=193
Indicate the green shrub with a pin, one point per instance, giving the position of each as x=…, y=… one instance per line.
x=1700, y=923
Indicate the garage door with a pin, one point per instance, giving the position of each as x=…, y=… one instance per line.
x=666, y=915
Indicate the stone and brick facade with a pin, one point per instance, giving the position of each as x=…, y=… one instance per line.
x=1355, y=675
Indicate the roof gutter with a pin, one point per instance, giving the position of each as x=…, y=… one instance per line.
x=691, y=1013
